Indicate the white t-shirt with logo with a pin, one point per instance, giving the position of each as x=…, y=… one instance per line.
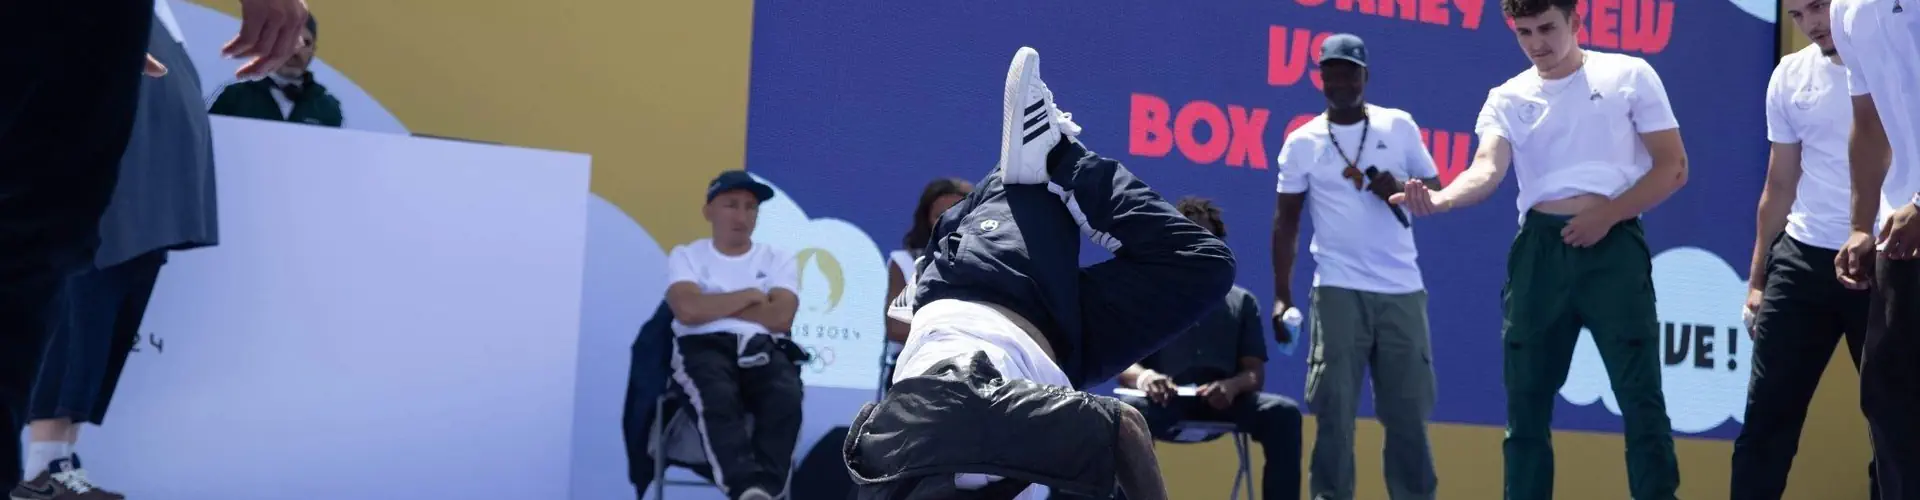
x=1807, y=104
x=1357, y=243
x=1882, y=52
x=761, y=268
x=1579, y=134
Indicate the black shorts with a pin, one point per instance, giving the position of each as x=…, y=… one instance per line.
x=963, y=417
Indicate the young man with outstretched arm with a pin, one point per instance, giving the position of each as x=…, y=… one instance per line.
x=1597, y=145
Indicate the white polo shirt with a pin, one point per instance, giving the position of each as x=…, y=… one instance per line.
x=1882, y=51
x=761, y=268
x=1808, y=105
x=1579, y=134
x=1357, y=243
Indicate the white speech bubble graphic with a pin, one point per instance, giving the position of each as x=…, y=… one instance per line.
x=1703, y=348
x=843, y=280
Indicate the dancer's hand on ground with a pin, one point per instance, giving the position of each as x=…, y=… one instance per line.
x=1588, y=228
x=269, y=35
x=1419, y=199
x=154, y=68
x=1902, y=233
x=1754, y=295
x=1854, y=263
x=1158, y=386
x=1219, y=394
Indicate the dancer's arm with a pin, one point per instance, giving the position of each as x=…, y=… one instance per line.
x=1139, y=469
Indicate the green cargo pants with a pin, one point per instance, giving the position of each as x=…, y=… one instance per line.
x=1553, y=290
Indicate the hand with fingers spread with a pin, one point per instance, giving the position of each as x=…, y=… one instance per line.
x=269, y=35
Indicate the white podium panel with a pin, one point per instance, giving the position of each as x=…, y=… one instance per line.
x=386, y=317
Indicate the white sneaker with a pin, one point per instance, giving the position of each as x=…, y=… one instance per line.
x=1030, y=124
x=756, y=494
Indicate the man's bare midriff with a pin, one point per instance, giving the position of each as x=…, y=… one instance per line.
x=1025, y=326
x=1570, y=206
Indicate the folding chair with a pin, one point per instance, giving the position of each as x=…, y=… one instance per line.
x=1199, y=431
x=676, y=441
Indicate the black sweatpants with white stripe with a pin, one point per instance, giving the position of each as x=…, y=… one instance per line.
x=747, y=402
x=1018, y=246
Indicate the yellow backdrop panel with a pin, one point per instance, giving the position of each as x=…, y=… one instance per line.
x=657, y=93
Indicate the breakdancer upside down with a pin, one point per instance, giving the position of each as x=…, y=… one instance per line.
x=1006, y=325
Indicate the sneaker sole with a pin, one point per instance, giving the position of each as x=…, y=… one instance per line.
x=1013, y=109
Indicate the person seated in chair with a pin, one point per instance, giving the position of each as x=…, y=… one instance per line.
x=1224, y=356
x=733, y=302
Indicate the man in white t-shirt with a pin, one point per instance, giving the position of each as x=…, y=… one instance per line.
x=1797, y=310
x=1005, y=325
x=1369, y=309
x=1597, y=145
x=1880, y=40
x=733, y=301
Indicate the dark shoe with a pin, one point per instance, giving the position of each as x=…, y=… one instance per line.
x=63, y=480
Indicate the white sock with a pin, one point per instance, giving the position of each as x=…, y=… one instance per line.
x=42, y=453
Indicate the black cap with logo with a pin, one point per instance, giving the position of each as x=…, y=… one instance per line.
x=1344, y=47
x=738, y=179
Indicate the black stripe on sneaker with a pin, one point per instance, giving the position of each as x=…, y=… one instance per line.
x=1044, y=127
x=1034, y=121
x=1036, y=106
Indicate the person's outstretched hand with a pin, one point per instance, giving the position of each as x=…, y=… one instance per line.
x=269, y=34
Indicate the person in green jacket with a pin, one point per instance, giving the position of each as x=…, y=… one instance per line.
x=289, y=94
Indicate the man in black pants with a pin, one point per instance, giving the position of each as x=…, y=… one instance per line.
x=1005, y=324
x=1796, y=309
x=733, y=302
x=1878, y=38
x=67, y=102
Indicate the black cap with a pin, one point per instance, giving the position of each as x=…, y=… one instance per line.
x=738, y=179
x=1344, y=47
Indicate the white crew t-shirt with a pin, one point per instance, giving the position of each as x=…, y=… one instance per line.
x=1808, y=105
x=1357, y=243
x=1882, y=52
x=1579, y=134
x=762, y=268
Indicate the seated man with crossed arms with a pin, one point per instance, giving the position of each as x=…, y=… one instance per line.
x=733, y=302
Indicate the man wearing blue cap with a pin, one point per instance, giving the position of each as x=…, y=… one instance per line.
x=1597, y=145
x=733, y=302
x=1369, y=310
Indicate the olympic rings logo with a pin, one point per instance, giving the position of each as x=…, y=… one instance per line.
x=823, y=357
